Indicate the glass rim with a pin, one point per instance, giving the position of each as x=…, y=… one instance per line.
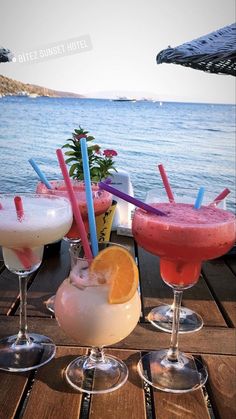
x=79, y=245
x=75, y=183
x=158, y=195
x=35, y=196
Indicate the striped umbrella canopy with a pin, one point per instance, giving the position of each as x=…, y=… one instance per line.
x=214, y=53
x=5, y=55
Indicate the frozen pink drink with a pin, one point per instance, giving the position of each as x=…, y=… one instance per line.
x=101, y=200
x=184, y=238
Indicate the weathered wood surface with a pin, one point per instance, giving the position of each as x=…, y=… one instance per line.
x=222, y=384
x=45, y=394
x=51, y=397
x=184, y=406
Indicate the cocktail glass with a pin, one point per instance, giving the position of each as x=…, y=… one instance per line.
x=182, y=239
x=44, y=219
x=162, y=315
x=84, y=313
x=101, y=200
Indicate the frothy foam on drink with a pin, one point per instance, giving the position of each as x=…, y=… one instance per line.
x=45, y=220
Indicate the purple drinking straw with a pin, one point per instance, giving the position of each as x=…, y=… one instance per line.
x=128, y=198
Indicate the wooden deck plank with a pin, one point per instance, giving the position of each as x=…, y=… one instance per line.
x=231, y=262
x=185, y=406
x=50, y=275
x=51, y=397
x=221, y=384
x=126, y=402
x=9, y=290
x=12, y=386
x=155, y=292
x=218, y=340
x=223, y=284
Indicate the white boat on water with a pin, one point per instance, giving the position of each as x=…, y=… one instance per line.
x=123, y=99
x=33, y=95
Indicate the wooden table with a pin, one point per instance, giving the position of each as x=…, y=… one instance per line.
x=45, y=394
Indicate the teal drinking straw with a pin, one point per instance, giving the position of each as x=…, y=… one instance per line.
x=40, y=174
x=199, y=198
x=89, y=197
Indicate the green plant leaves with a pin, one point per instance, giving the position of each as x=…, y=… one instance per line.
x=100, y=166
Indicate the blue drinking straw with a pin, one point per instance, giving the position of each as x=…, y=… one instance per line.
x=40, y=174
x=89, y=197
x=199, y=198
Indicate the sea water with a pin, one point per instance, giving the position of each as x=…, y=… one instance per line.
x=194, y=142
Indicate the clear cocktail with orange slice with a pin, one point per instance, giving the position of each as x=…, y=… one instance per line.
x=97, y=306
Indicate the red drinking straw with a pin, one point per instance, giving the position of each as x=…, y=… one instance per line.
x=19, y=208
x=75, y=207
x=166, y=183
x=25, y=256
x=221, y=196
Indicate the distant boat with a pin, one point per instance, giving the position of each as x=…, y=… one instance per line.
x=123, y=99
x=33, y=95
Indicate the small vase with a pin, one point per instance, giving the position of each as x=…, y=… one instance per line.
x=104, y=223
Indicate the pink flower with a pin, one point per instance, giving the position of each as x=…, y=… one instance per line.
x=109, y=153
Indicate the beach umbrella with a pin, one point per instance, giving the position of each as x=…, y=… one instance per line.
x=5, y=55
x=214, y=53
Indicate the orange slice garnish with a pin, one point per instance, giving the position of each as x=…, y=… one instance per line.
x=117, y=263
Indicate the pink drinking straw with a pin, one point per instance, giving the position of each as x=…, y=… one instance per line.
x=75, y=207
x=22, y=256
x=25, y=256
x=19, y=208
x=221, y=196
x=166, y=183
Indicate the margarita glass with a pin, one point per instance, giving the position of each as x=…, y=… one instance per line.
x=182, y=239
x=162, y=315
x=84, y=313
x=101, y=200
x=23, y=233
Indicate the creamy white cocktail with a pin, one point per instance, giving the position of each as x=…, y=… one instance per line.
x=84, y=313
x=26, y=224
x=98, y=305
x=44, y=221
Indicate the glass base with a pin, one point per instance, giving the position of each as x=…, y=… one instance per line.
x=96, y=377
x=50, y=303
x=162, y=316
x=188, y=374
x=25, y=356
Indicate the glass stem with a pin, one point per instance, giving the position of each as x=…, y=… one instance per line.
x=96, y=355
x=173, y=352
x=23, y=337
